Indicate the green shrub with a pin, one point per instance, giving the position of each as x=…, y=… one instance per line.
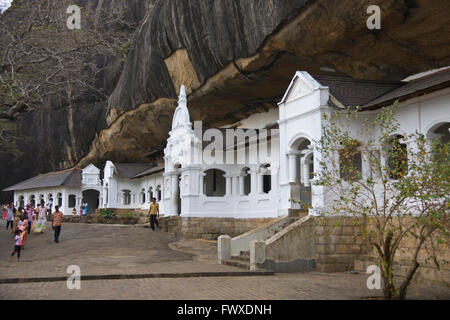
x=128, y=215
x=107, y=213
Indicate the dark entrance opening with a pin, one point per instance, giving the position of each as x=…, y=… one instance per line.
x=91, y=197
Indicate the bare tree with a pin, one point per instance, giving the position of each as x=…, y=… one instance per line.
x=44, y=63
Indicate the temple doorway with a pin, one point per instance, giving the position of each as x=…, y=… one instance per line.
x=92, y=198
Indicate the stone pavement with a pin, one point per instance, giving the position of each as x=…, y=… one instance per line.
x=294, y=286
x=106, y=249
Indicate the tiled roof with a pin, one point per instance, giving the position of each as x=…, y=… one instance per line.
x=69, y=178
x=353, y=92
x=152, y=170
x=432, y=82
x=130, y=170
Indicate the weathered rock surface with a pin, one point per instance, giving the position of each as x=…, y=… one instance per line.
x=237, y=58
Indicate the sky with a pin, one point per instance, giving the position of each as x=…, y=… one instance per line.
x=4, y=4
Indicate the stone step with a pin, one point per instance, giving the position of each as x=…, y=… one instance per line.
x=238, y=264
x=241, y=258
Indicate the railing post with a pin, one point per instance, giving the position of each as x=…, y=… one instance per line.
x=224, y=248
x=257, y=254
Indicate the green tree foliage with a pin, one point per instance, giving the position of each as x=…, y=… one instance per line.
x=402, y=196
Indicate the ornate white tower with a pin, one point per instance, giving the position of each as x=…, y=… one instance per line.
x=182, y=173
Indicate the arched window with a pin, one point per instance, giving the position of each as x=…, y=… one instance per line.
x=33, y=200
x=440, y=131
x=21, y=201
x=439, y=139
x=158, y=193
x=126, y=197
x=247, y=181
x=41, y=198
x=214, y=183
x=150, y=194
x=397, y=157
x=60, y=199
x=266, y=178
x=350, y=161
x=142, y=196
x=72, y=200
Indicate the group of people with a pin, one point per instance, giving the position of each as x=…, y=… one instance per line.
x=84, y=210
x=24, y=220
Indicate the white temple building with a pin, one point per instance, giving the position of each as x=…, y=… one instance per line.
x=237, y=177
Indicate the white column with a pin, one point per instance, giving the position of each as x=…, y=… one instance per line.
x=365, y=167
x=241, y=184
x=254, y=175
x=292, y=167
x=260, y=183
x=305, y=171
x=228, y=185
x=235, y=188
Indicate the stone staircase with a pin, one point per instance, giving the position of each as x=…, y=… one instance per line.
x=243, y=259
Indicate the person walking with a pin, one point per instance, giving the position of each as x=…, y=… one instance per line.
x=17, y=244
x=17, y=219
x=23, y=226
x=39, y=225
x=10, y=216
x=29, y=212
x=154, y=214
x=57, y=219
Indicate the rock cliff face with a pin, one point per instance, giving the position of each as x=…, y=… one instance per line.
x=236, y=58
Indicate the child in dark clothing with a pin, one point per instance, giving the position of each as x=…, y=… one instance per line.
x=17, y=244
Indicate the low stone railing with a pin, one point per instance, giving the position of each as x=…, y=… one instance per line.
x=291, y=249
x=98, y=219
x=228, y=247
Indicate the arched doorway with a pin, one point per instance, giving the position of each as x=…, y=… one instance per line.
x=92, y=198
x=302, y=159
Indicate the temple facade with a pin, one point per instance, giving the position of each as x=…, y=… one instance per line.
x=262, y=167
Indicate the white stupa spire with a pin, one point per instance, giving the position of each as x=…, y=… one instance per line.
x=183, y=93
x=181, y=117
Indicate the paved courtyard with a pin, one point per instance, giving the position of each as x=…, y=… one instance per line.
x=130, y=250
